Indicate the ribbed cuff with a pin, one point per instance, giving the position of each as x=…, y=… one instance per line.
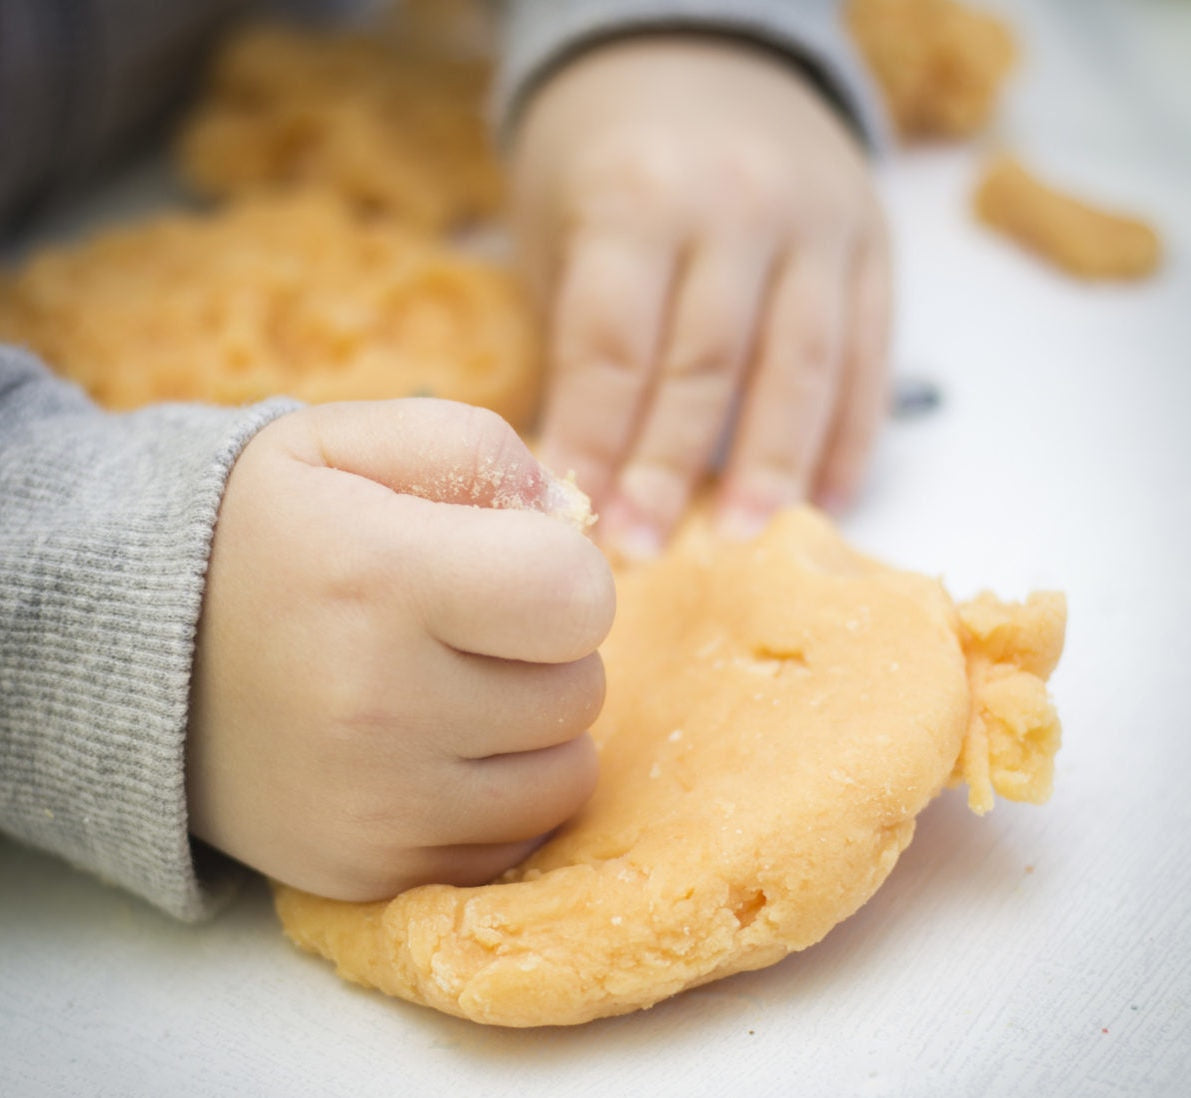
x=542, y=35
x=105, y=534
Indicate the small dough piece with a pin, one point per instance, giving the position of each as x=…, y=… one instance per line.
x=777, y=714
x=292, y=294
x=392, y=131
x=940, y=65
x=1014, y=731
x=1079, y=238
x=568, y=503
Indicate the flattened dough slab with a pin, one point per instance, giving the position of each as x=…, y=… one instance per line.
x=777, y=715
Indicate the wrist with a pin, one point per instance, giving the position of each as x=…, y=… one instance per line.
x=543, y=38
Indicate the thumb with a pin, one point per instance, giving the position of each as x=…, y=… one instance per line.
x=438, y=450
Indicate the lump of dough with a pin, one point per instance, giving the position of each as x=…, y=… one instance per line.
x=1077, y=237
x=777, y=715
x=294, y=294
x=940, y=65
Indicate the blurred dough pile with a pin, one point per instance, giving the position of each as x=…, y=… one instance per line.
x=340, y=162
x=393, y=131
x=277, y=294
x=778, y=713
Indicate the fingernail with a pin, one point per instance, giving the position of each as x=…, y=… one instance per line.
x=836, y=504
x=637, y=541
x=740, y=524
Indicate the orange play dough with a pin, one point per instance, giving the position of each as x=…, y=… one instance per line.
x=778, y=713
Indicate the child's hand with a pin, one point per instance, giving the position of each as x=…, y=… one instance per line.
x=702, y=229
x=395, y=668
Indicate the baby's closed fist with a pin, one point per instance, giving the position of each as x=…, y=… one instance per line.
x=396, y=662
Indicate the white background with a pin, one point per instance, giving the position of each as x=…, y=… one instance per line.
x=1035, y=951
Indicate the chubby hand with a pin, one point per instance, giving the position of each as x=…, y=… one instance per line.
x=396, y=662
x=703, y=232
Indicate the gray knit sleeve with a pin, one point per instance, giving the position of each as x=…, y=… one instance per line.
x=105, y=525
x=85, y=82
x=540, y=35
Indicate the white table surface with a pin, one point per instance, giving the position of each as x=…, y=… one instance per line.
x=1035, y=951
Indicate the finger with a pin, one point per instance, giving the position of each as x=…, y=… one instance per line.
x=712, y=332
x=462, y=865
x=468, y=821
x=864, y=396
x=790, y=400
x=606, y=324
x=515, y=585
x=500, y=707
x=511, y=798
x=435, y=449
x=488, y=814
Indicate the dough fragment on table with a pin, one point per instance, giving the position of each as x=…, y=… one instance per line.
x=1014, y=733
x=940, y=65
x=777, y=715
x=1079, y=238
x=293, y=294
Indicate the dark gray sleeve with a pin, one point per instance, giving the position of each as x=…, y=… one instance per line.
x=541, y=35
x=105, y=526
x=83, y=82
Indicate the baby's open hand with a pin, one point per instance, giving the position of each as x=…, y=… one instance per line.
x=704, y=234
x=396, y=660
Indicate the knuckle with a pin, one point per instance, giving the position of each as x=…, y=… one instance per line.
x=607, y=323
x=571, y=768
x=585, y=770
x=603, y=341
x=571, y=695
x=580, y=597
x=708, y=354
x=635, y=169
x=816, y=356
x=760, y=184
x=706, y=369
x=825, y=209
x=350, y=580
x=593, y=687
x=802, y=355
x=594, y=596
